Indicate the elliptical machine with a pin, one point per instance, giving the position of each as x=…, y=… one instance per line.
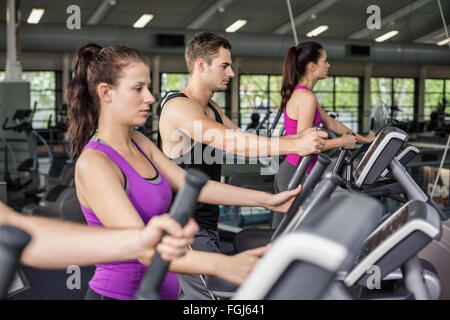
x=60, y=199
x=399, y=236
x=28, y=182
x=62, y=168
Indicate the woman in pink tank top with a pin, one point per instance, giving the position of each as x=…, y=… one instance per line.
x=123, y=180
x=303, y=66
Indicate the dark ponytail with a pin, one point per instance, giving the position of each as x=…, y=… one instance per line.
x=93, y=65
x=294, y=67
x=290, y=76
x=83, y=112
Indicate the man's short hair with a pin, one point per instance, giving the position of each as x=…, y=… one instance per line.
x=204, y=45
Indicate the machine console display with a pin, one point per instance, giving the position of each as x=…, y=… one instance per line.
x=369, y=153
x=381, y=235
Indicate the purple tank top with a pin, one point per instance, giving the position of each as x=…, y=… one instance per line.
x=291, y=128
x=121, y=280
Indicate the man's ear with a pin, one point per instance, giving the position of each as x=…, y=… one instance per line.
x=200, y=64
x=104, y=92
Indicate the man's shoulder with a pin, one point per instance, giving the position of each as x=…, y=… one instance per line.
x=172, y=98
x=176, y=100
x=182, y=107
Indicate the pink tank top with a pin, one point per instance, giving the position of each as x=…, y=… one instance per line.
x=291, y=128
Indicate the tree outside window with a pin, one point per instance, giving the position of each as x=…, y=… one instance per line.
x=340, y=95
x=43, y=93
x=404, y=98
x=396, y=93
x=435, y=91
x=258, y=94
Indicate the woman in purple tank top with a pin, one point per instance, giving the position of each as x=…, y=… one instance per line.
x=123, y=180
x=303, y=66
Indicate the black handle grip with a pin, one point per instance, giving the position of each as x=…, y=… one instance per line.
x=260, y=124
x=322, y=192
x=319, y=168
x=342, y=155
x=182, y=208
x=331, y=134
x=300, y=172
x=5, y=123
x=340, y=162
x=12, y=243
x=275, y=122
x=341, y=159
x=302, y=165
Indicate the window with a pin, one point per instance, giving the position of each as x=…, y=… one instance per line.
x=258, y=94
x=43, y=93
x=380, y=92
x=404, y=98
x=394, y=92
x=435, y=91
x=42, y=84
x=178, y=81
x=340, y=95
x=324, y=90
x=173, y=81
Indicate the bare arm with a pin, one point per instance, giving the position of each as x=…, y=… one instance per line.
x=214, y=192
x=185, y=115
x=232, y=268
x=339, y=128
x=226, y=121
x=57, y=244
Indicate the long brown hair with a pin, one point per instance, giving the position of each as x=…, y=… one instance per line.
x=91, y=66
x=294, y=66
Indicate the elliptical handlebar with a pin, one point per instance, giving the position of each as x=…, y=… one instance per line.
x=300, y=172
x=4, y=126
x=34, y=109
x=12, y=243
x=322, y=192
x=266, y=117
x=313, y=178
x=181, y=210
x=331, y=134
x=341, y=158
x=21, y=120
x=275, y=122
x=301, y=168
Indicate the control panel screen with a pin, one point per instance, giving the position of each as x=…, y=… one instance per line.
x=381, y=235
x=369, y=154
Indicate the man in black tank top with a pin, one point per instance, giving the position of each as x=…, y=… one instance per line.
x=193, y=131
x=206, y=215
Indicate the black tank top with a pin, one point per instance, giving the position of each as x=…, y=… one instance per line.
x=206, y=215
